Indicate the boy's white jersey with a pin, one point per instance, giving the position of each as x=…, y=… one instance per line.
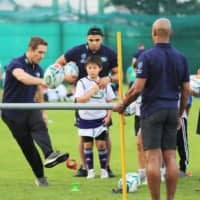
x=84, y=85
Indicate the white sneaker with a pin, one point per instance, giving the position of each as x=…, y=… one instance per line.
x=91, y=174
x=145, y=181
x=103, y=173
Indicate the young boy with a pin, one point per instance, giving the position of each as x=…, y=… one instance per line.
x=93, y=123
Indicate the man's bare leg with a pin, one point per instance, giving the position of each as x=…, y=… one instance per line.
x=108, y=146
x=82, y=172
x=171, y=175
x=153, y=158
x=81, y=153
x=140, y=152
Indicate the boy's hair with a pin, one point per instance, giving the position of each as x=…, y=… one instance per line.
x=35, y=41
x=93, y=59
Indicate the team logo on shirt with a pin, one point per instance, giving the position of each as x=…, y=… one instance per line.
x=26, y=60
x=98, y=95
x=83, y=57
x=104, y=59
x=37, y=74
x=139, y=67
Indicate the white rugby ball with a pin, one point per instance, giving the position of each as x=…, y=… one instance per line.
x=131, y=109
x=53, y=76
x=131, y=184
x=71, y=68
x=195, y=83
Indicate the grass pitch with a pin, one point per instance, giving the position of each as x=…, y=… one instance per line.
x=17, y=179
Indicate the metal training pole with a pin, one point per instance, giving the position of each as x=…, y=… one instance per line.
x=55, y=106
x=119, y=52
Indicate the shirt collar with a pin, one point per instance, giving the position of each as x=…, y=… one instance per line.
x=164, y=45
x=91, y=79
x=27, y=62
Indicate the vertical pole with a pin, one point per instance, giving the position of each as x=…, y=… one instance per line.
x=119, y=52
x=101, y=7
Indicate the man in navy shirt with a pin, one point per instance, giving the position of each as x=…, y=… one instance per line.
x=162, y=74
x=24, y=84
x=108, y=56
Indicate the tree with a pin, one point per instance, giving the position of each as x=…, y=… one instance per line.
x=156, y=7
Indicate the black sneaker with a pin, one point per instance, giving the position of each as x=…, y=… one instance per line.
x=42, y=181
x=110, y=173
x=55, y=158
x=81, y=173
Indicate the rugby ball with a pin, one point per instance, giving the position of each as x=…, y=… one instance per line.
x=53, y=76
x=131, y=109
x=131, y=184
x=195, y=83
x=71, y=68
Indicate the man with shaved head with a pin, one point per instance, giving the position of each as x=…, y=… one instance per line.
x=162, y=75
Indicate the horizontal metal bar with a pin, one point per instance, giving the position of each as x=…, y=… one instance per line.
x=56, y=106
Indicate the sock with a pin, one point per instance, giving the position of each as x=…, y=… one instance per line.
x=103, y=158
x=89, y=157
x=142, y=173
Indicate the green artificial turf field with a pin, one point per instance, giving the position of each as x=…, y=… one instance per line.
x=17, y=179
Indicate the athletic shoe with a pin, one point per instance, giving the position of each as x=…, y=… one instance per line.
x=145, y=181
x=81, y=173
x=55, y=158
x=41, y=181
x=103, y=173
x=91, y=174
x=182, y=174
x=110, y=173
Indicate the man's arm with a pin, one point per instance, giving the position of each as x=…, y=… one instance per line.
x=39, y=98
x=103, y=82
x=132, y=94
x=27, y=79
x=185, y=92
x=61, y=61
x=134, y=61
x=69, y=79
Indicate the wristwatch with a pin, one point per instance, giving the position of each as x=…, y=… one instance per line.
x=123, y=104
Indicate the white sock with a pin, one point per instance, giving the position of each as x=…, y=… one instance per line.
x=142, y=173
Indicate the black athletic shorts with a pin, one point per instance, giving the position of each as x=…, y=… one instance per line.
x=137, y=124
x=159, y=130
x=102, y=136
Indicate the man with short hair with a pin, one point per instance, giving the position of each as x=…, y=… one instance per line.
x=137, y=54
x=108, y=56
x=162, y=74
x=23, y=83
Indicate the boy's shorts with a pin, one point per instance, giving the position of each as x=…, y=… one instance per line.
x=92, y=132
x=101, y=137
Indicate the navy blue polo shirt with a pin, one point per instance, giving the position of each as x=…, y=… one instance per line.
x=81, y=52
x=138, y=53
x=14, y=90
x=165, y=69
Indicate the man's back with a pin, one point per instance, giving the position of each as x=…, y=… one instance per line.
x=165, y=69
